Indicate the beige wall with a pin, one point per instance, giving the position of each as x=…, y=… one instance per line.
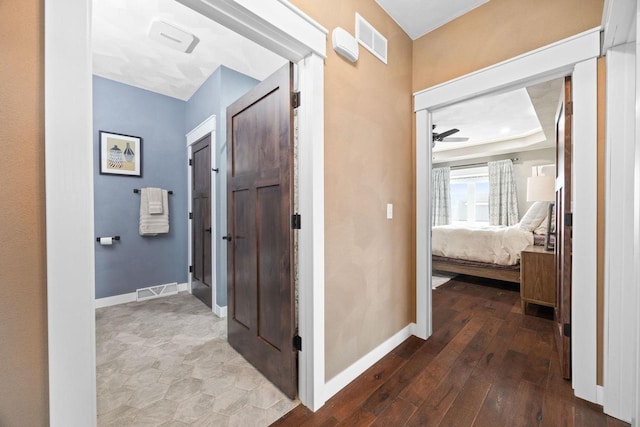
x=368, y=158
x=23, y=329
x=496, y=31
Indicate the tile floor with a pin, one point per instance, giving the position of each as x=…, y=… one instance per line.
x=166, y=362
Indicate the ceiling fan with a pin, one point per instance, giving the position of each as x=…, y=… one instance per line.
x=446, y=136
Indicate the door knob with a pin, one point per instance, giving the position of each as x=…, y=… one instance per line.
x=227, y=238
x=208, y=230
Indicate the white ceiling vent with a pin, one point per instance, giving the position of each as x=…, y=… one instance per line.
x=371, y=38
x=172, y=36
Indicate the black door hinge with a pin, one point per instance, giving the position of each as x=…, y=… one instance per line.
x=297, y=343
x=568, y=219
x=190, y=215
x=295, y=99
x=191, y=269
x=566, y=330
x=296, y=222
x=190, y=162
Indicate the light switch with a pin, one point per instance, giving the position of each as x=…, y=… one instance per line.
x=389, y=210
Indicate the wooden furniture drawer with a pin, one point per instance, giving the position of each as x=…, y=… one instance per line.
x=537, y=277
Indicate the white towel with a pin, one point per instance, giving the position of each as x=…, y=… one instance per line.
x=151, y=225
x=155, y=201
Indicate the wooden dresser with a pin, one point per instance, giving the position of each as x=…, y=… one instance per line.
x=537, y=277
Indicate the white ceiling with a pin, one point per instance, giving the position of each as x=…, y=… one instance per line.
x=418, y=17
x=515, y=121
x=123, y=51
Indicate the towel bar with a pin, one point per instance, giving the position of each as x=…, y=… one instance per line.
x=137, y=190
x=114, y=238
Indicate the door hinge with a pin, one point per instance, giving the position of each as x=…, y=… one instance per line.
x=190, y=215
x=191, y=269
x=295, y=99
x=297, y=343
x=296, y=222
x=566, y=330
x=568, y=219
x=569, y=108
x=190, y=162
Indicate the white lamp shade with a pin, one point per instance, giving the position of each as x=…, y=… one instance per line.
x=541, y=189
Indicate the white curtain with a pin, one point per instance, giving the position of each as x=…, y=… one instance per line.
x=503, y=200
x=441, y=200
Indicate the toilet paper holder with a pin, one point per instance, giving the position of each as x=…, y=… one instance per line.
x=113, y=237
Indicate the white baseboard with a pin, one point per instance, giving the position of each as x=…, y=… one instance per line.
x=340, y=381
x=130, y=297
x=220, y=311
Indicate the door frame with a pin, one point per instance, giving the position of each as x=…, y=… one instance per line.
x=575, y=55
x=207, y=127
x=274, y=24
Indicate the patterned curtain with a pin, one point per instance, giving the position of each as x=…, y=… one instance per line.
x=503, y=200
x=441, y=200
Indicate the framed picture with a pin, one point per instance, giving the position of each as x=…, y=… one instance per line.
x=120, y=154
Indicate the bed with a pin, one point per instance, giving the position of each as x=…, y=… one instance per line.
x=491, y=252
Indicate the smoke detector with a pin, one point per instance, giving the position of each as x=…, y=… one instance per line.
x=172, y=36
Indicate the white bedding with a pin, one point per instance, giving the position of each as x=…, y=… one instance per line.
x=495, y=245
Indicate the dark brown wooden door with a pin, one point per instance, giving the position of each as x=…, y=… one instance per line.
x=259, y=184
x=201, y=278
x=563, y=243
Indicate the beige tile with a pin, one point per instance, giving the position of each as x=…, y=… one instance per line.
x=231, y=401
x=265, y=396
x=143, y=396
x=184, y=389
x=109, y=401
x=212, y=420
x=194, y=408
x=249, y=417
x=156, y=413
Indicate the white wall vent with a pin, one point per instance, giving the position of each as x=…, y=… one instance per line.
x=371, y=38
x=172, y=36
x=157, y=291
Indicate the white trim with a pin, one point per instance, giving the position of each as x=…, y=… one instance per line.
x=542, y=64
x=585, y=223
x=273, y=24
x=68, y=114
x=337, y=383
x=550, y=61
x=69, y=192
x=311, y=236
x=635, y=416
x=600, y=395
x=618, y=23
x=424, y=324
x=127, y=298
x=619, y=285
x=220, y=311
x=207, y=127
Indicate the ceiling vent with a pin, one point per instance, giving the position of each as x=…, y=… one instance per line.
x=172, y=36
x=371, y=38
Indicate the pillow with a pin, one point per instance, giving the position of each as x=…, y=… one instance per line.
x=534, y=216
x=542, y=228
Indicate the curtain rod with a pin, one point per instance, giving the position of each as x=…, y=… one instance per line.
x=471, y=165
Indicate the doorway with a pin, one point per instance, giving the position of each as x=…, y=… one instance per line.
x=70, y=255
x=576, y=56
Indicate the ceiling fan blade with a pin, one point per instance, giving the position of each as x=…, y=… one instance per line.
x=455, y=139
x=447, y=133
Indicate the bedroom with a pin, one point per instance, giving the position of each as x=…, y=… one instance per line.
x=493, y=165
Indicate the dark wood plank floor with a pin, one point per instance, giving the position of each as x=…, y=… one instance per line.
x=486, y=364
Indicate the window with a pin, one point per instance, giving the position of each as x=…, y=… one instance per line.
x=470, y=196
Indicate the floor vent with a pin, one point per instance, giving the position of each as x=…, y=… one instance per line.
x=157, y=291
x=371, y=38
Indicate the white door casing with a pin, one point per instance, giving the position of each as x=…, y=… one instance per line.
x=577, y=56
x=275, y=24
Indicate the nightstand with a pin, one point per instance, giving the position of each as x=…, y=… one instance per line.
x=537, y=277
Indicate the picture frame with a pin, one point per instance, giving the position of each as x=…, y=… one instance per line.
x=120, y=154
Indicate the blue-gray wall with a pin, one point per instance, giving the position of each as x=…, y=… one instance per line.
x=222, y=88
x=136, y=261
